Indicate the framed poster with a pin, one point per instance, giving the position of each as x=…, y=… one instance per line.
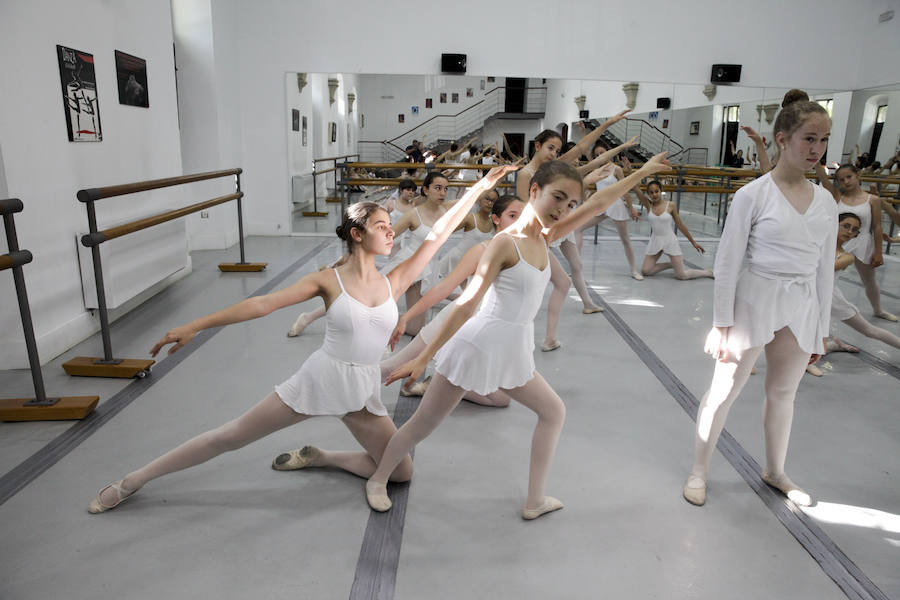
x=665, y=124
x=454, y=98
x=401, y=118
x=427, y=102
x=131, y=76
x=295, y=119
x=414, y=110
x=79, y=93
x=333, y=130
x=303, y=130
x=443, y=97
x=470, y=92
x=695, y=128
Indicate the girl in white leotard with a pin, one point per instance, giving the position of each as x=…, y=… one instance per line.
x=663, y=216
x=774, y=279
x=494, y=349
x=342, y=378
x=866, y=248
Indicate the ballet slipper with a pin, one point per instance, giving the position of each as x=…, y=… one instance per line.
x=814, y=370
x=695, y=490
x=753, y=371
x=887, y=316
x=839, y=345
x=122, y=494
x=550, y=504
x=299, y=325
x=790, y=489
x=550, y=346
x=637, y=275
x=296, y=459
x=417, y=389
x=376, y=496
x=592, y=310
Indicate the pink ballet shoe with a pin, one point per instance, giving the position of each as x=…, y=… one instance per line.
x=549, y=505
x=376, y=496
x=695, y=490
x=550, y=346
x=637, y=275
x=592, y=310
x=122, y=494
x=887, y=316
x=296, y=459
x=814, y=370
x=787, y=487
x=299, y=325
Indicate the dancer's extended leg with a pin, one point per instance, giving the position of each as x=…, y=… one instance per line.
x=570, y=251
x=867, y=329
x=873, y=293
x=622, y=229
x=682, y=273
x=651, y=267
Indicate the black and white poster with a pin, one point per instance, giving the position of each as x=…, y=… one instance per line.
x=79, y=94
x=131, y=75
x=295, y=119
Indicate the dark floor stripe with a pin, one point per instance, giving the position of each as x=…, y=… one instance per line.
x=379, y=556
x=837, y=565
x=878, y=363
x=33, y=466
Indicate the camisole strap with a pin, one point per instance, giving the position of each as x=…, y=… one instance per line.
x=421, y=222
x=516, y=244
x=390, y=290
x=340, y=283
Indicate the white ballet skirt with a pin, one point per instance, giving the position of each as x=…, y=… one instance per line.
x=841, y=308
x=410, y=245
x=495, y=348
x=662, y=234
x=863, y=245
x=344, y=375
x=617, y=210
x=788, y=278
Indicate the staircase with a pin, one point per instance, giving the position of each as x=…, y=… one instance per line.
x=461, y=126
x=651, y=141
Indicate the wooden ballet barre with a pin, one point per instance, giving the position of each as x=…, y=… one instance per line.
x=108, y=365
x=39, y=408
x=397, y=180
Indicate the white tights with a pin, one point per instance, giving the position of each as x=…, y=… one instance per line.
x=621, y=229
x=869, y=330
x=440, y=400
x=867, y=276
x=651, y=267
x=785, y=364
x=413, y=349
x=268, y=416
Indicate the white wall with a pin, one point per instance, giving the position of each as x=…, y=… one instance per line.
x=45, y=170
x=861, y=122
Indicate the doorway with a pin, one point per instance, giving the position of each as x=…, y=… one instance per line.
x=732, y=122
x=515, y=94
x=880, y=115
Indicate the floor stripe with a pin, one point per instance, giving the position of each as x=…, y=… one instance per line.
x=837, y=565
x=32, y=467
x=878, y=363
x=379, y=556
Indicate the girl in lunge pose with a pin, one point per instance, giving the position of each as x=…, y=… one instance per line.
x=786, y=228
x=662, y=215
x=342, y=378
x=494, y=349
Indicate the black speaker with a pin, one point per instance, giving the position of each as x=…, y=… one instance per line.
x=453, y=63
x=583, y=114
x=663, y=102
x=725, y=74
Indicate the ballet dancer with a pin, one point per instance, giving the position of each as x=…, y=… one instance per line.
x=662, y=215
x=866, y=247
x=342, y=378
x=849, y=226
x=494, y=349
x=786, y=229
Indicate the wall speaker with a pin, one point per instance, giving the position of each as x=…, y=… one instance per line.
x=453, y=63
x=663, y=102
x=725, y=74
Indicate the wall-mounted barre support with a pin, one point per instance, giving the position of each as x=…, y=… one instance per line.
x=108, y=365
x=39, y=408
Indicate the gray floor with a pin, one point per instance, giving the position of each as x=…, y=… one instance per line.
x=233, y=528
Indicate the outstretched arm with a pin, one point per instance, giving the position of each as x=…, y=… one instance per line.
x=586, y=143
x=683, y=229
x=825, y=181
x=606, y=157
x=307, y=287
x=764, y=164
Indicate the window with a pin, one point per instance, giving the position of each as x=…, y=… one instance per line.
x=881, y=113
x=733, y=114
x=828, y=104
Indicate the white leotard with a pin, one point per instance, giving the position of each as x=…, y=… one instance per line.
x=863, y=245
x=662, y=236
x=617, y=211
x=343, y=375
x=495, y=348
x=410, y=245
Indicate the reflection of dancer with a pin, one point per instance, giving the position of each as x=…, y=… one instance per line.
x=494, y=349
x=866, y=248
x=342, y=378
x=662, y=217
x=849, y=226
x=785, y=228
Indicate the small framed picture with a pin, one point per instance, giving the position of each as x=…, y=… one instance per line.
x=481, y=84
x=295, y=119
x=665, y=124
x=695, y=128
x=131, y=73
x=333, y=132
x=470, y=92
x=427, y=102
x=303, y=130
x=414, y=110
x=491, y=79
x=401, y=118
x=443, y=98
x=362, y=121
x=454, y=98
